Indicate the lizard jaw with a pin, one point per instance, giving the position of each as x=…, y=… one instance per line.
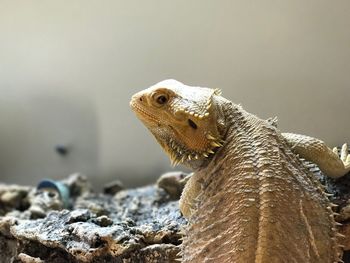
x=178, y=152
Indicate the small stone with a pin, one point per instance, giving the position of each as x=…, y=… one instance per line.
x=80, y=215
x=103, y=221
x=173, y=183
x=28, y=259
x=129, y=222
x=13, y=196
x=78, y=185
x=113, y=187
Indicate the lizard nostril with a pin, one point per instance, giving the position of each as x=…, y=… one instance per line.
x=141, y=98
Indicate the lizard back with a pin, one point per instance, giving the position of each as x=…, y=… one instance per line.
x=258, y=203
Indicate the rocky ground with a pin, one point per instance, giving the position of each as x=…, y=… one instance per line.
x=133, y=225
x=118, y=225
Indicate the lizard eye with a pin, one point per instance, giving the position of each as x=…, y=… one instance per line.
x=161, y=99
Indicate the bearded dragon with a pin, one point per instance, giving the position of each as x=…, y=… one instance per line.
x=250, y=199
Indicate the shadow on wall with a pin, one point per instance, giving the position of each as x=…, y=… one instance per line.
x=36, y=123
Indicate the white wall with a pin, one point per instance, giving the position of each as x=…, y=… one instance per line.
x=68, y=69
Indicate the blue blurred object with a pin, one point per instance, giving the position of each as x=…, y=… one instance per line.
x=61, y=188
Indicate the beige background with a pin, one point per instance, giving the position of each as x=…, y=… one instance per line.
x=68, y=69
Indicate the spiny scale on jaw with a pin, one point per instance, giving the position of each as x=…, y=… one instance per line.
x=179, y=154
x=199, y=109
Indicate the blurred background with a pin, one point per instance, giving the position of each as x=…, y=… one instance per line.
x=69, y=68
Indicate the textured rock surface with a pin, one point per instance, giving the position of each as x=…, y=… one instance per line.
x=136, y=225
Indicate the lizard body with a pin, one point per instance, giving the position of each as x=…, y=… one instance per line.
x=250, y=199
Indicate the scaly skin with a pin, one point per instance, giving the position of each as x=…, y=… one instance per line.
x=250, y=198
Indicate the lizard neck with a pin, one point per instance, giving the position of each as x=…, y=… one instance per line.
x=227, y=114
x=233, y=124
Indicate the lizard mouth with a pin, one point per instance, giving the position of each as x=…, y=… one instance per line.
x=143, y=113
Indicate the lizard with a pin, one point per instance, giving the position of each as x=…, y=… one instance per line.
x=250, y=198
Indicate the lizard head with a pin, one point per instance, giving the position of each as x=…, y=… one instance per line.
x=182, y=118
